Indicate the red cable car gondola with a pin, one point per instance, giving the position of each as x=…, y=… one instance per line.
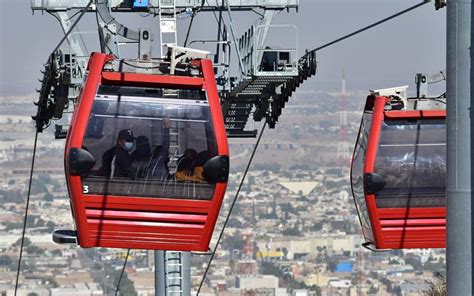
x=398, y=173
x=146, y=158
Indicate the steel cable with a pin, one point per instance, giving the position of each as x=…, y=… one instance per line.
x=34, y=156
x=231, y=207
x=370, y=26
x=26, y=212
x=117, y=289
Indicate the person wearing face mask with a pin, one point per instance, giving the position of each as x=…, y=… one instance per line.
x=117, y=161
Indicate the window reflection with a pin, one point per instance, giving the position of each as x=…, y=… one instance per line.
x=358, y=168
x=150, y=146
x=412, y=160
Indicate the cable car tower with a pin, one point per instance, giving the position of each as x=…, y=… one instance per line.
x=266, y=78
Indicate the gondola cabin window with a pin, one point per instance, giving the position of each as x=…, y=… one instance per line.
x=412, y=159
x=149, y=143
x=357, y=172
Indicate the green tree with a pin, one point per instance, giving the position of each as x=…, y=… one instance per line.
x=234, y=242
x=38, y=187
x=270, y=269
x=437, y=289
x=48, y=197
x=373, y=290
x=13, y=225
x=26, y=242
x=34, y=250
x=50, y=281
x=5, y=260
x=291, y=232
x=126, y=285
x=50, y=226
x=393, y=262
x=416, y=263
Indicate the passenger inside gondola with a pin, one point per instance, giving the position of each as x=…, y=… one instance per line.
x=117, y=161
x=158, y=164
x=141, y=157
x=150, y=147
x=190, y=168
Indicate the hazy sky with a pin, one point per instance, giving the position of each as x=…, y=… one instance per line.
x=386, y=56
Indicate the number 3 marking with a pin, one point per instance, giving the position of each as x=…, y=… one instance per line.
x=85, y=189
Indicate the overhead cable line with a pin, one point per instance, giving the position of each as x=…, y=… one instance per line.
x=231, y=208
x=371, y=25
x=33, y=160
x=117, y=289
x=26, y=212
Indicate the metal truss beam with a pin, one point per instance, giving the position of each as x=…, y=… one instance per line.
x=210, y=5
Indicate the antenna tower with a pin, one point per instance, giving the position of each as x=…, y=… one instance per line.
x=343, y=150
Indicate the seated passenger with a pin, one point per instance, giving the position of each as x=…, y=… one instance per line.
x=141, y=157
x=116, y=161
x=204, y=156
x=190, y=167
x=158, y=165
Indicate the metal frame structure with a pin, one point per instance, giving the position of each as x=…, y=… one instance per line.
x=262, y=93
x=121, y=6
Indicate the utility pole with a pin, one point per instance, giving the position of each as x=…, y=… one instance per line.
x=459, y=147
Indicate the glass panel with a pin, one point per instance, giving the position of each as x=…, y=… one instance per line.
x=358, y=170
x=412, y=160
x=149, y=146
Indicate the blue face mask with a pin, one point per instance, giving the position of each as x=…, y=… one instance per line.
x=128, y=146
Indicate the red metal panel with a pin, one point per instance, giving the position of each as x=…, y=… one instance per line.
x=76, y=134
x=412, y=222
x=369, y=166
x=415, y=114
x=130, y=225
x=110, y=225
x=410, y=114
x=223, y=148
x=441, y=114
x=134, y=244
x=151, y=204
x=148, y=236
x=141, y=216
x=412, y=213
x=117, y=78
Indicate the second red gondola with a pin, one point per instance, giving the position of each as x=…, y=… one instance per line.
x=398, y=173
